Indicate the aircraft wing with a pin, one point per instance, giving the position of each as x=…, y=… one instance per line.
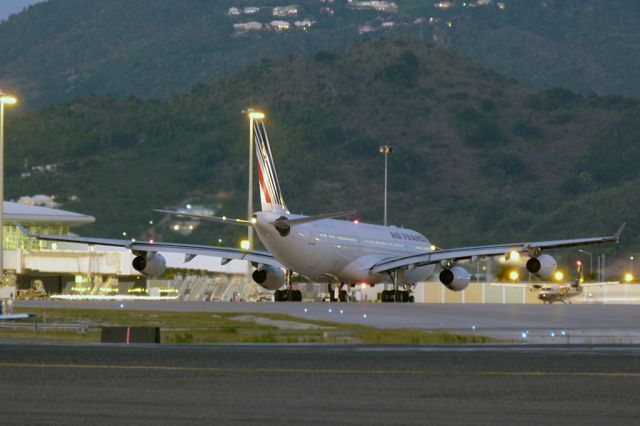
x=456, y=254
x=189, y=250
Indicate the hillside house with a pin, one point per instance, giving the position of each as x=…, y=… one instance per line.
x=280, y=25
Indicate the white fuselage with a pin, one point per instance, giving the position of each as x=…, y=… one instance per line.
x=340, y=249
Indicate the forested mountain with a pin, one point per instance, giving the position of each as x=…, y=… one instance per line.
x=479, y=157
x=61, y=49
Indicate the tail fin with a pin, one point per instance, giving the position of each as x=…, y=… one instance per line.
x=270, y=193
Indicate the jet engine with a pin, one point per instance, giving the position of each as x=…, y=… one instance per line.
x=456, y=278
x=150, y=264
x=269, y=277
x=282, y=226
x=543, y=266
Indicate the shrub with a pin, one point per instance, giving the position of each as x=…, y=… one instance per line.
x=476, y=129
x=553, y=99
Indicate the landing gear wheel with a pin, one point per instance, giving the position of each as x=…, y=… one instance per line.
x=289, y=294
x=396, y=296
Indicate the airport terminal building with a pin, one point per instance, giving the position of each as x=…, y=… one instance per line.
x=34, y=266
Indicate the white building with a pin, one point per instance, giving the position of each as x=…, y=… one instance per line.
x=304, y=24
x=280, y=25
x=251, y=10
x=247, y=26
x=366, y=28
x=77, y=268
x=444, y=5
x=38, y=200
x=284, y=11
x=381, y=6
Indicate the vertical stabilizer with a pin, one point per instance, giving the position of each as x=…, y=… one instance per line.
x=270, y=193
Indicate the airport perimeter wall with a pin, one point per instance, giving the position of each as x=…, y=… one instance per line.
x=504, y=293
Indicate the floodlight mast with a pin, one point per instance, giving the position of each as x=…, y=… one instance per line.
x=4, y=100
x=386, y=150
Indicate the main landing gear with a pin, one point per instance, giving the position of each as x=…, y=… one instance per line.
x=289, y=294
x=402, y=296
x=397, y=295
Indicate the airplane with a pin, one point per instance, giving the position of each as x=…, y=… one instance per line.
x=340, y=252
x=550, y=292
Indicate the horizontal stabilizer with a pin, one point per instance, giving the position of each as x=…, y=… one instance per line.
x=223, y=219
x=308, y=219
x=619, y=231
x=283, y=225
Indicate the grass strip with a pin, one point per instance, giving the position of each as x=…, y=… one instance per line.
x=203, y=327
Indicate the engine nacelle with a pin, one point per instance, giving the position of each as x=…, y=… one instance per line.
x=543, y=266
x=269, y=277
x=456, y=278
x=150, y=264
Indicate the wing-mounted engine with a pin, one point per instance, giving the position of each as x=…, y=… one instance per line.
x=455, y=279
x=269, y=277
x=543, y=266
x=150, y=264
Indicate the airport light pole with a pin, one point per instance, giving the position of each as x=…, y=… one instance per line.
x=386, y=150
x=8, y=100
x=590, y=260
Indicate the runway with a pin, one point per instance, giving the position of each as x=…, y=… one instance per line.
x=316, y=384
x=558, y=323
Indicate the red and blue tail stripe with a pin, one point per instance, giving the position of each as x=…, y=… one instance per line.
x=270, y=193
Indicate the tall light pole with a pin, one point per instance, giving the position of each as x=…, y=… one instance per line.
x=9, y=100
x=590, y=260
x=386, y=150
x=253, y=115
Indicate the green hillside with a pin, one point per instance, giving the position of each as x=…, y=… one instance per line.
x=62, y=49
x=479, y=158
x=586, y=46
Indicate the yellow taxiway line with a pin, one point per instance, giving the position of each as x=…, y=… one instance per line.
x=321, y=371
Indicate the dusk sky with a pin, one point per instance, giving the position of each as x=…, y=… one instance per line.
x=7, y=7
